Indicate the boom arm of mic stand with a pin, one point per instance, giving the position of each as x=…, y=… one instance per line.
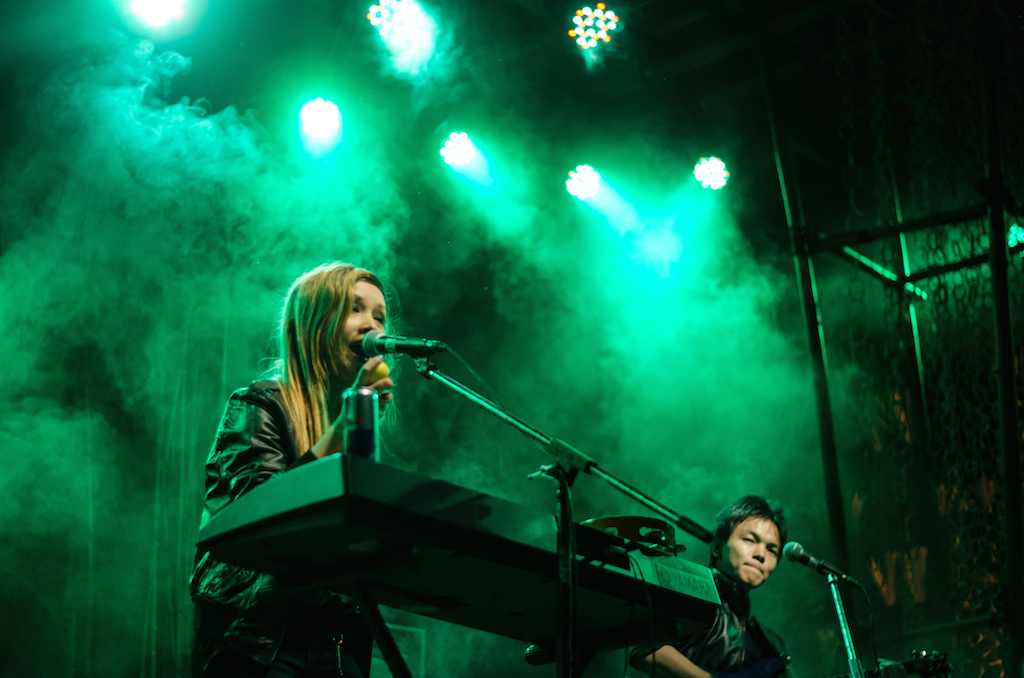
x=568, y=457
x=568, y=462
x=571, y=458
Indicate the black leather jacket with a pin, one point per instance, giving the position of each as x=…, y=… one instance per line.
x=235, y=607
x=735, y=641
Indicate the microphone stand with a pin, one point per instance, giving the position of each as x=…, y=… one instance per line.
x=856, y=670
x=568, y=463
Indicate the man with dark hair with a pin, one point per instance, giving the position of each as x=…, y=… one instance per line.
x=749, y=535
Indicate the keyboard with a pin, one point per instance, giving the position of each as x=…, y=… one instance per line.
x=453, y=553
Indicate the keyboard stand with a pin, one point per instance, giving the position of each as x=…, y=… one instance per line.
x=381, y=633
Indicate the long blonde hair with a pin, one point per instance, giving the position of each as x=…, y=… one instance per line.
x=314, y=312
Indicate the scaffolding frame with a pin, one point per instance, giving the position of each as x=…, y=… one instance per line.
x=807, y=244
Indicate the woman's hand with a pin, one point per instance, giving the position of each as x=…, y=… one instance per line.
x=376, y=374
x=373, y=374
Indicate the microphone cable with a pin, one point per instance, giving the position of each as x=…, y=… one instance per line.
x=492, y=394
x=634, y=563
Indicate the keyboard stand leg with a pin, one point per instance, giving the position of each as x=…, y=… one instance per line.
x=583, y=656
x=381, y=632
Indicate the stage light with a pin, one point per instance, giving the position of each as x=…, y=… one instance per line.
x=458, y=149
x=407, y=31
x=1015, y=237
x=394, y=16
x=158, y=13
x=321, y=127
x=711, y=173
x=584, y=182
x=465, y=158
x=593, y=26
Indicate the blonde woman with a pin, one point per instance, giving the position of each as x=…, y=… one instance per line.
x=246, y=625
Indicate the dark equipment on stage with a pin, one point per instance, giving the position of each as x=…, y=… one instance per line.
x=411, y=542
x=921, y=663
x=651, y=536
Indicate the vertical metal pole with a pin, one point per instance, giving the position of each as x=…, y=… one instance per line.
x=919, y=392
x=154, y=566
x=1009, y=427
x=917, y=412
x=798, y=236
x=856, y=669
x=566, y=613
x=90, y=585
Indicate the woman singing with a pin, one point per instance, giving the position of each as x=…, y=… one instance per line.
x=246, y=624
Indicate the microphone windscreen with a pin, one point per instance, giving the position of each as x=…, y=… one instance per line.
x=365, y=347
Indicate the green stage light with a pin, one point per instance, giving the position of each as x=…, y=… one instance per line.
x=711, y=173
x=593, y=26
x=1015, y=237
x=407, y=31
x=458, y=149
x=584, y=182
x=463, y=157
x=321, y=127
x=158, y=13
x=394, y=16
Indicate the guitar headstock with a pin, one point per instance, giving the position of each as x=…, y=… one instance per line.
x=928, y=664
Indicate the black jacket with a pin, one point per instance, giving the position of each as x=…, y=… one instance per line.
x=235, y=607
x=735, y=641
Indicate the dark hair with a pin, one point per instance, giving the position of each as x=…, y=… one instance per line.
x=744, y=508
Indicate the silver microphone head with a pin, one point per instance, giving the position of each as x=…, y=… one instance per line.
x=793, y=551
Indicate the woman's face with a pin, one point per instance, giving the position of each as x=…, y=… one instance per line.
x=369, y=312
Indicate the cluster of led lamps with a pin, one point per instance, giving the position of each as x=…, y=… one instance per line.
x=593, y=26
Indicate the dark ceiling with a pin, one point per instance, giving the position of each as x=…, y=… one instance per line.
x=692, y=74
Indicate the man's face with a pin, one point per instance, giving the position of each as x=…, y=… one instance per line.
x=751, y=553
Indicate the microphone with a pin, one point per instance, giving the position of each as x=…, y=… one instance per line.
x=793, y=551
x=378, y=343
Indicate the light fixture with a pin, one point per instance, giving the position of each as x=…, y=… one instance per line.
x=583, y=182
x=711, y=173
x=593, y=26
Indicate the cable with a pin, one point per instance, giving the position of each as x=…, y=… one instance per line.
x=650, y=608
x=871, y=625
x=632, y=608
x=480, y=379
